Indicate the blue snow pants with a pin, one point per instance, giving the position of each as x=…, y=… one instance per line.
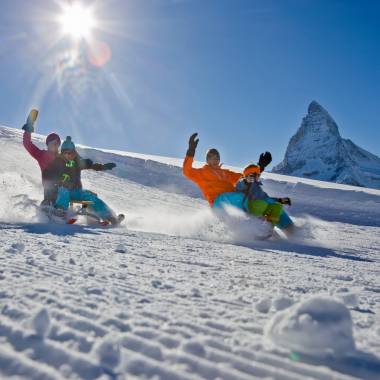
x=236, y=199
x=98, y=206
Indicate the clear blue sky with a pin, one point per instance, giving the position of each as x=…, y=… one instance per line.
x=239, y=72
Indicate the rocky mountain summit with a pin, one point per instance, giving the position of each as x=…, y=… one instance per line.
x=318, y=151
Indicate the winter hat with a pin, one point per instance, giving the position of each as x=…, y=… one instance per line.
x=212, y=152
x=53, y=137
x=251, y=169
x=67, y=144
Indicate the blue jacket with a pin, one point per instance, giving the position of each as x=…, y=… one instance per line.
x=252, y=190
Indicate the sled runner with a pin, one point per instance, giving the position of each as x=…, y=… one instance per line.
x=77, y=209
x=91, y=217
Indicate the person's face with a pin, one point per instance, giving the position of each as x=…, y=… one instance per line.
x=53, y=147
x=68, y=154
x=213, y=161
x=253, y=177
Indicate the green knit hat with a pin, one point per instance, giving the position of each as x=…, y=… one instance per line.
x=67, y=144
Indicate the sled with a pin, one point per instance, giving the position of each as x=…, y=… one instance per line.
x=77, y=209
x=244, y=226
x=83, y=210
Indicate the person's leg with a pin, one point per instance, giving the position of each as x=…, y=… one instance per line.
x=261, y=208
x=50, y=195
x=257, y=207
x=284, y=221
x=98, y=206
x=63, y=198
x=234, y=199
x=273, y=213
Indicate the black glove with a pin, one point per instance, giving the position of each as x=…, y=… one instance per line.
x=264, y=160
x=28, y=128
x=285, y=201
x=97, y=167
x=109, y=166
x=193, y=142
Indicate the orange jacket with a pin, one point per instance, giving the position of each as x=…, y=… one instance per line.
x=212, y=182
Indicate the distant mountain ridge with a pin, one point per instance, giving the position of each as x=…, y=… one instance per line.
x=318, y=151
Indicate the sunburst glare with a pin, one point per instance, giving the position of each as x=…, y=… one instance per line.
x=77, y=20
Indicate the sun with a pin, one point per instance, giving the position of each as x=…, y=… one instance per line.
x=77, y=21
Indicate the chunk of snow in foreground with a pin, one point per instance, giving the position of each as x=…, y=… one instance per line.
x=40, y=322
x=108, y=352
x=317, y=326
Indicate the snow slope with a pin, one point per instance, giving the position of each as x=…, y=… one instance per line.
x=174, y=293
x=318, y=151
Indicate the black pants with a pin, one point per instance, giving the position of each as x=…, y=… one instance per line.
x=50, y=194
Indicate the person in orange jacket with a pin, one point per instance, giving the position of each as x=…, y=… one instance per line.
x=217, y=184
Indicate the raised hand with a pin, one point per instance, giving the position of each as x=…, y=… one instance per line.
x=32, y=117
x=264, y=160
x=28, y=128
x=193, y=142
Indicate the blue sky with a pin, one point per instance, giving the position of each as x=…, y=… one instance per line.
x=239, y=72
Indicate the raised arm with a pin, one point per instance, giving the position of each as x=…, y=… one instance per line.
x=33, y=150
x=187, y=167
x=188, y=170
x=28, y=128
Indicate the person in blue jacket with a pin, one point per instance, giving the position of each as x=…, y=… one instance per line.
x=250, y=197
x=257, y=202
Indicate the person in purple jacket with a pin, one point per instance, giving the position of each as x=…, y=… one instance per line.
x=44, y=158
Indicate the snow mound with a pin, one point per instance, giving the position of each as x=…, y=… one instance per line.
x=108, y=353
x=40, y=322
x=317, y=326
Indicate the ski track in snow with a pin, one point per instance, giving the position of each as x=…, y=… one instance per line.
x=170, y=294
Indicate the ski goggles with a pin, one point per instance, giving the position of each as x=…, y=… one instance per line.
x=252, y=177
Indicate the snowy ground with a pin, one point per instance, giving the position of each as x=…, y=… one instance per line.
x=173, y=294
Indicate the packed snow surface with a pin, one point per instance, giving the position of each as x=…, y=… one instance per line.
x=177, y=293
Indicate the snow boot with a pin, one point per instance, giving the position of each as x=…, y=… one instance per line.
x=115, y=221
x=289, y=231
x=64, y=215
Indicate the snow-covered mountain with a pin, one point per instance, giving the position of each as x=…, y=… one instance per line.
x=175, y=293
x=318, y=151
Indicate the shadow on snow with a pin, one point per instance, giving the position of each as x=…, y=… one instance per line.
x=54, y=229
x=284, y=247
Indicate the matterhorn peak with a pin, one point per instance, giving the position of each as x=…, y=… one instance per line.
x=318, y=151
x=318, y=121
x=315, y=107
